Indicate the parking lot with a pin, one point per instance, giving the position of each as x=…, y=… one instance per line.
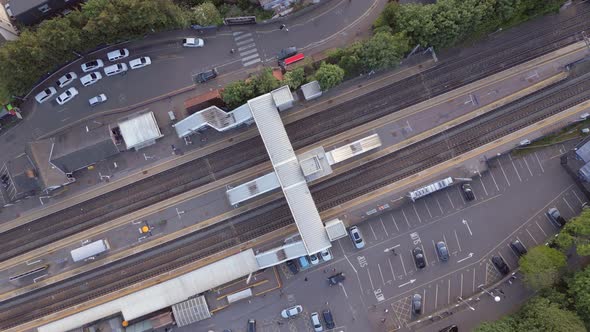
x=510, y=204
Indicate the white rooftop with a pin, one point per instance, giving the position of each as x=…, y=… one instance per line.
x=140, y=130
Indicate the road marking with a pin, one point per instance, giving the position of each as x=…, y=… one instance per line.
x=435, y=253
x=449, y=197
x=473, y=286
x=242, y=36
x=568, y=204
x=427, y=209
x=486, y=275
x=458, y=243
x=243, y=42
x=519, y=240
x=347, y=259
x=416, y=211
x=532, y=237
x=577, y=197
x=503, y=172
x=407, y=221
x=403, y=265
x=527, y=165
x=449, y=293
x=407, y=283
x=461, y=291
x=237, y=33
x=424, y=301
x=494, y=178
x=468, y=228
x=447, y=243
x=391, y=267
x=483, y=185
x=505, y=260
x=424, y=251
x=542, y=231
x=539, y=161
x=240, y=49
x=250, y=51
x=466, y=258
x=440, y=207
x=381, y=273
x=344, y=289
x=249, y=57
x=461, y=195
x=512, y=251
x=436, y=296
x=373, y=231
x=370, y=279
x=514, y=166
x=392, y=218
x=382, y=224
x=251, y=62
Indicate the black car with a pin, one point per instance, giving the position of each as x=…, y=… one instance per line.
x=327, y=314
x=467, y=192
x=419, y=257
x=518, y=248
x=251, y=325
x=292, y=266
x=416, y=304
x=337, y=278
x=206, y=76
x=500, y=265
x=287, y=52
x=450, y=328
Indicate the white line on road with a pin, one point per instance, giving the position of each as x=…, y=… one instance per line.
x=539, y=161
x=466, y=223
x=577, y=197
x=250, y=51
x=458, y=243
x=532, y=237
x=436, y=296
x=391, y=267
x=484, y=186
x=527, y=165
x=519, y=240
x=485, y=282
x=517, y=174
x=344, y=289
x=381, y=273
x=505, y=260
x=403, y=265
x=461, y=195
x=473, y=286
x=424, y=301
x=250, y=57
x=427, y=209
x=245, y=64
x=242, y=42
x=542, y=231
x=392, y=218
x=568, y=204
x=461, y=289
x=494, y=178
x=407, y=221
x=416, y=211
x=424, y=251
x=503, y=172
x=242, y=36
x=370, y=279
x=373, y=231
x=447, y=243
x=449, y=197
x=439, y=206
x=449, y=293
x=347, y=259
x=237, y=33
x=435, y=254
x=245, y=47
x=384, y=229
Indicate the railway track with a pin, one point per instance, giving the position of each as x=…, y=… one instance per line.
x=276, y=215
x=455, y=71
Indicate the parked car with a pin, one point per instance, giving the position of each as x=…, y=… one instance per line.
x=92, y=65
x=555, y=217
x=251, y=325
x=192, y=42
x=467, y=192
x=357, y=238
x=336, y=279
x=326, y=255
x=303, y=262
x=45, y=94
x=206, y=76
x=328, y=318
x=140, y=62
x=450, y=328
x=8, y=10
x=419, y=258
x=315, y=321
x=67, y=96
x=292, y=266
x=66, y=79
x=101, y=98
x=115, y=69
x=292, y=311
x=416, y=304
x=91, y=78
x=442, y=251
x=314, y=259
x=118, y=54
x=287, y=52
x=500, y=265
x=518, y=248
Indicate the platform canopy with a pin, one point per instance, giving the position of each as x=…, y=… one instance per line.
x=140, y=131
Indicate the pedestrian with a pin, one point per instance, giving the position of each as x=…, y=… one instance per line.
x=382, y=320
x=394, y=253
x=386, y=310
x=282, y=27
x=334, y=270
x=232, y=51
x=305, y=279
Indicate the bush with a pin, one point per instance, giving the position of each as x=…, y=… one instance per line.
x=329, y=75
x=206, y=14
x=237, y=93
x=295, y=78
x=265, y=82
x=542, y=266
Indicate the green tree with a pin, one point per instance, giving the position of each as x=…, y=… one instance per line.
x=265, y=82
x=206, y=14
x=383, y=50
x=329, y=75
x=505, y=324
x=542, y=266
x=579, y=290
x=540, y=314
x=295, y=78
x=237, y=93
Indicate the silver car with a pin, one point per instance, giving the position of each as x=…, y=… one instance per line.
x=101, y=98
x=356, y=237
x=292, y=311
x=45, y=94
x=67, y=96
x=315, y=321
x=66, y=79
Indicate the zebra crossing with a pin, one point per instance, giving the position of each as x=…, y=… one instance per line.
x=246, y=48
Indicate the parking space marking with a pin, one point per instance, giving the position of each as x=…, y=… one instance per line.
x=503, y=172
x=449, y=293
x=486, y=276
x=532, y=237
x=424, y=301
x=447, y=243
x=435, y=254
x=461, y=289
x=494, y=179
x=458, y=243
x=577, y=197
x=449, y=196
x=417, y=215
x=424, y=251
x=373, y=231
x=370, y=279
x=381, y=273
x=527, y=165
x=568, y=204
x=392, y=218
x=542, y=231
x=427, y=209
x=483, y=185
x=461, y=195
x=407, y=221
x=505, y=260
x=519, y=240
x=512, y=251
x=384, y=229
x=514, y=166
x=439, y=206
x=542, y=169
x=473, y=285
x=391, y=267
x=403, y=265
x=436, y=296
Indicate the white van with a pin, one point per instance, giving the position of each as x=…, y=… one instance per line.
x=115, y=69
x=118, y=54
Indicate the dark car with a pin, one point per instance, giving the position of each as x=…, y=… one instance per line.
x=419, y=257
x=518, y=248
x=327, y=314
x=500, y=265
x=337, y=278
x=251, y=325
x=450, y=328
x=292, y=266
x=206, y=76
x=555, y=217
x=467, y=192
x=442, y=251
x=416, y=304
x=287, y=52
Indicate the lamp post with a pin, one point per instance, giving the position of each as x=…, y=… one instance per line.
x=495, y=297
x=460, y=299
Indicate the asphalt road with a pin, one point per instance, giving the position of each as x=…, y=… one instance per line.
x=511, y=200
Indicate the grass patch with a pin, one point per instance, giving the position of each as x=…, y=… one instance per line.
x=573, y=131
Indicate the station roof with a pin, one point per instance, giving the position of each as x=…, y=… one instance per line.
x=23, y=180
x=50, y=176
x=289, y=173
x=583, y=151
x=139, y=130
x=253, y=188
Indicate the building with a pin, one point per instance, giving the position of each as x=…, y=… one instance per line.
x=7, y=30
x=29, y=12
x=138, y=131
x=18, y=180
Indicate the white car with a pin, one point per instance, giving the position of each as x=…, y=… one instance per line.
x=315, y=321
x=45, y=94
x=118, y=54
x=314, y=259
x=66, y=96
x=115, y=69
x=8, y=10
x=66, y=79
x=92, y=65
x=140, y=62
x=101, y=98
x=91, y=78
x=292, y=312
x=326, y=255
x=192, y=42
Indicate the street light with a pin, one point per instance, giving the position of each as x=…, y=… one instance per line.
x=495, y=297
x=460, y=299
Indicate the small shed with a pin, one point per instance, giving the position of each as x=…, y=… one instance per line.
x=140, y=131
x=89, y=250
x=282, y=97
x=311, y=90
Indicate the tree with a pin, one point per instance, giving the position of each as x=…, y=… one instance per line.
x=265, y=82
x=237, y=93
x=542, y=266
x=540, y=314
x=505, y=324
x=329, y=75
x=206, y=14
x=295, y=78
x=576, y=233
x=579, y=290
x=383, y=50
